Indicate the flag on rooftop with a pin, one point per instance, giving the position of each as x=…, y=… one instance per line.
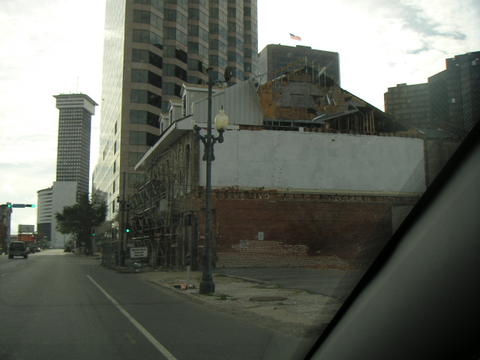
x=295, y=37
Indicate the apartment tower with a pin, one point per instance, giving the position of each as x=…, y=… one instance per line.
x=74, y=127
x=153, y=47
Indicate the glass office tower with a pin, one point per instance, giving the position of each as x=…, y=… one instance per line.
x=151, y=48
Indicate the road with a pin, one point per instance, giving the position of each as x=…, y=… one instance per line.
x=61, y=306
x=329, y=282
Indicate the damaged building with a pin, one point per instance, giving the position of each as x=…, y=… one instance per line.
x=306, y=170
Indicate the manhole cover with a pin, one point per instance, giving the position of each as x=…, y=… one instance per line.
x=267, y=298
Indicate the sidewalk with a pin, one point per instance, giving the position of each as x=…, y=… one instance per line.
x=296, y=312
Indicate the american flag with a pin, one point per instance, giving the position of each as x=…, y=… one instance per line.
x=295, y=37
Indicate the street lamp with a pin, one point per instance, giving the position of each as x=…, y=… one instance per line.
x=207, y=286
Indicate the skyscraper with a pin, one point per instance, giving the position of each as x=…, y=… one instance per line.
x=409, y=104
x=450, y=99
x=151, y=48
x=275, y=60
x=73, y=152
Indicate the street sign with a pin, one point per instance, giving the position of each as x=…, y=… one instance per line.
x=23, y=205
x=138, y=252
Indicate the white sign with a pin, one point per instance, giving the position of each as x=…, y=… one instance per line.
x=138, y=252
x=26, y=229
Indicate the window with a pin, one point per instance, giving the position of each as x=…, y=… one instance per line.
x=144, y=117
x=145, y=97
x=147, y=57
x=137, y=138
x=194, y=14
x=135, y=180
x=180, y=73
x=158, y=4
x=181, y=55
x=193, y=47
x=170, y=14
x=193, y=30
x=139, y=75
x=178, y=90
x=195, y=65
x=145, y=36
x=145, y=76
x=168, y=88
x=134, y=158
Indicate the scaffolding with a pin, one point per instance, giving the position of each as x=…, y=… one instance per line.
x=161, y=218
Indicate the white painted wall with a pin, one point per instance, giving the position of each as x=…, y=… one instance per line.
x=64, y=194
x=318, y=161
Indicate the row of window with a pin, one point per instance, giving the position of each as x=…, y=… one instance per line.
x=216, y=44
x=175, y=34
x=196, y=65
x=178, y=3
x=145, y=97
x=147, y=57
x=146, y=17
x=142, y=138
x=195, y=30
x=148, y=77
x=158, y=4
x=145, y=36
x=196, y=48
x=196, y=14
x=172, y=89
x=144, y=118
x=178, y=17
x=216, y=29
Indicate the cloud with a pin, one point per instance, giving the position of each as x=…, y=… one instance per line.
x=415, y=18
x=424, y=48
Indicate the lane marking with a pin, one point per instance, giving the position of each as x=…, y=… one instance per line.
x=163, y=350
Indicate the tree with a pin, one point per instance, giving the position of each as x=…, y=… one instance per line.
x=80, y=219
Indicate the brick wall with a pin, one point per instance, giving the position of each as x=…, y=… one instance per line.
x=298, y=232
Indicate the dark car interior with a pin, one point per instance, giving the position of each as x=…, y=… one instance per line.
x=420, y=299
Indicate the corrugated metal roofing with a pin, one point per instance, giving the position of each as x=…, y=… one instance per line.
x=239, y=101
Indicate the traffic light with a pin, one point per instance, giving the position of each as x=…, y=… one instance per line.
x=127, y=229
x=31, y=205
x=9, y=205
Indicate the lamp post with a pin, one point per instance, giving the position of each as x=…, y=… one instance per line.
x=207, y=286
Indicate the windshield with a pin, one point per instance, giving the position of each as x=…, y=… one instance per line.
x=210, y=179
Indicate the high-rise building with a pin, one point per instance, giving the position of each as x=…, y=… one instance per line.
x=275, y=60
x=73, y=152
x=45, y=213
x=463, y=89
x=410, y=104
x=450, y=99
x=51, y=201
x=153, y=47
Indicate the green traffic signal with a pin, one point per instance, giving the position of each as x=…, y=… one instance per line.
x=33, y=206
x=127, y=230
x=9, y=205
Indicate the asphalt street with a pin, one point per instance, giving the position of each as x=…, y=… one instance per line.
x=61, y=306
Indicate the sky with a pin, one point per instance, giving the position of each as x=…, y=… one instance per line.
x=50, y=47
